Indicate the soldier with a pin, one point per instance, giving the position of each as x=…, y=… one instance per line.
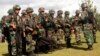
x=49, y=28
x=42, y=41
x=16, y=26
x=67, y=29
x=41, y=15
x=59, y=26
x=76, y=24
x=87, y=26
x=52, y=20
x=30, y=47
x=5, y=29
x=23, y=25
x=51, y=14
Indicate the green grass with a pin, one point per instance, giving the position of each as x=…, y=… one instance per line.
x=76, y=51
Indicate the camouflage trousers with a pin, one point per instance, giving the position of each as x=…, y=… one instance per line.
x=88, y=34
x=77, y=33
x=30, y=45
x=12, y=44
x=52, y=38
x=60, y=37
x=94, y=35
x=68, y=37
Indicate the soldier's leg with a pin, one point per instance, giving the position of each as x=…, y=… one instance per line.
x=9, y=49
x=68, y=41
x=78, y=40
x=13, y=43
x=60, y=36
x=77, y=36
x=89, y=38
x=23, y=45
x=31, y=48
x=55, y=40
x=94, y=36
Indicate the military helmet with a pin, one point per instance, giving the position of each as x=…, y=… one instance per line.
x=83, y=5
x=3, y=18
x=41, y=9
x=67, y=13
x=10, y=11
x=77, y=12
x=29, y=9
x=51, y=11
x=16, y=7
x=59, y=12
x=34, y=15
x=23, y=12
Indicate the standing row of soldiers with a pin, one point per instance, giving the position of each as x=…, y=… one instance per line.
x=31, y=33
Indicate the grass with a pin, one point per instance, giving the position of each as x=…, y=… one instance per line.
x=77, y=50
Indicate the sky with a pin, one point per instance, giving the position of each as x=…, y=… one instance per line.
x=65, y=5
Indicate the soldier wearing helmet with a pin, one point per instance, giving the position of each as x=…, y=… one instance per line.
x=6, y=29
x=49, y=28
x=51, y=13
x=66, y=16
x=16, y=24
x=67, y=13
x=76, y=24
x=67, y=29
x=87, y=25
x=29, y=11
x=41, y=10
x=59, y=25
x=16, y=9
x=84, y=12
x=30, y=26
x=23, y=35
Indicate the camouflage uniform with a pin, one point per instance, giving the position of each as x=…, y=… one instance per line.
x=42, y=41
x=53, y=27
x=23, y=25
x=59, y=26
x=5, y=30
x=67, y=29
x=49, y=28
x=30, y=47
x=16, y=26
x=77, y=26
x=87, y=26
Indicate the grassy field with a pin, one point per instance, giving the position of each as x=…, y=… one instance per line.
x=75, y=51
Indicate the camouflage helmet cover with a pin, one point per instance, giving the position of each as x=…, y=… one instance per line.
x=51, y=11
x=10, y=11
x=16, y=7
x=59, y=12
x=23, y=12
x=83, y=5
x=77, y=11
x=67, y=13
x=41, y=9
x=29, y=9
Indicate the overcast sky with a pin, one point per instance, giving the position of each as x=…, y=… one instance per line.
x=70, y=5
